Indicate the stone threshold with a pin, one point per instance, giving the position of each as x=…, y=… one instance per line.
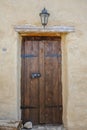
x=10, y=125
x=46, y=127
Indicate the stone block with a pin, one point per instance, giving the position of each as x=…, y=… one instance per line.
x=10, y=125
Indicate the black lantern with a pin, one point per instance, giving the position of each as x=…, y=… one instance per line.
x=44, y=17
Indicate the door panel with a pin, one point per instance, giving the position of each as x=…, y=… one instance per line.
x=52, y=81
x=41, y=98
x=30, y=88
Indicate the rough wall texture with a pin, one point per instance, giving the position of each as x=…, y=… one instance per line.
x=63, y=12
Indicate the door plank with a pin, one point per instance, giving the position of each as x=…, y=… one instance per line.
x=56, y=93
x=49, y=82
x=41, y=81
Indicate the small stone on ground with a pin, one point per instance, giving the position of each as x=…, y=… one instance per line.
x=28, y=125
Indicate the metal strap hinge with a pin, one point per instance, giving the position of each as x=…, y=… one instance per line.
x=29, y=107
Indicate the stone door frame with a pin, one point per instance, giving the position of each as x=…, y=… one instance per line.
x=62, y=31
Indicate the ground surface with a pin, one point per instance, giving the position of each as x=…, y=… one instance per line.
x=46, y=127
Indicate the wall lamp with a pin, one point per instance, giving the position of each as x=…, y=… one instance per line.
x=44, y=17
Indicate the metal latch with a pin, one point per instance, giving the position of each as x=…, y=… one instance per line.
x=35, y=75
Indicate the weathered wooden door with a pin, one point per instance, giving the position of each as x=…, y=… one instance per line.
x=41, y=97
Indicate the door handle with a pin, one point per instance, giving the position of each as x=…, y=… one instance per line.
x=35, y=75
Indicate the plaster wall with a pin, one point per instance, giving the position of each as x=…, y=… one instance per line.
x=74, y=48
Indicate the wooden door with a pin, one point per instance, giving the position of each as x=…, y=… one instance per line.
x=41, y=97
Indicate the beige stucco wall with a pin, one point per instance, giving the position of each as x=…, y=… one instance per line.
x=74, y=48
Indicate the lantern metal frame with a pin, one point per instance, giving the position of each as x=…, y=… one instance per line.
x=44, y=17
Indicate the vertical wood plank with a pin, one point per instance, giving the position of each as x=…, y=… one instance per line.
x=41, y=81
x=48, y=81
x=60, y=85
x=22, y=78
x=56, y=93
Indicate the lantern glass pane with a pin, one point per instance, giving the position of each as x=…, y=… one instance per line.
x=44, y=19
